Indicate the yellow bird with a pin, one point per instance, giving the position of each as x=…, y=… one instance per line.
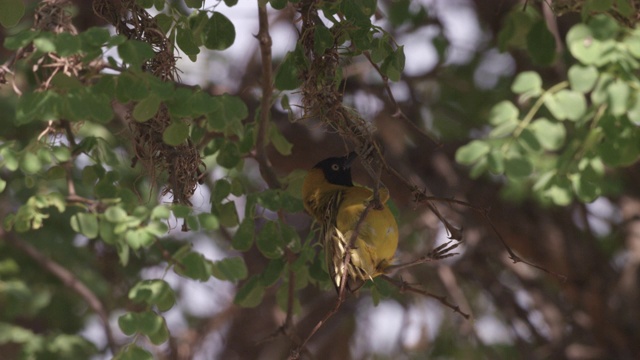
x=331, y=198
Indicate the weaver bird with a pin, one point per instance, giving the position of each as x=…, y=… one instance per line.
x=331, y=198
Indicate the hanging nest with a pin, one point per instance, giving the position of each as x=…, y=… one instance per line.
x=321, y=95
x=181, y=163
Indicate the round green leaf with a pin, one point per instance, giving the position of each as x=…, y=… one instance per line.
x=250, y=294
x=11, y=11
x=219, y=32
x=194, y=266
x=243, y=238
x=135, y=52
x=518, y=167
x=208, y=221
x=231, y=269
x=269, y=241
x=529, y=83
x=85, y=224
x=541, y=44
x=573, y=104
x=551, y=135
x=146, y=109
x=115, y=214
x=582, y=78
x=175, y=134
x=128, y=323
x=472, y=152
x=618, y=97
x=186, y=42
x=502, y=112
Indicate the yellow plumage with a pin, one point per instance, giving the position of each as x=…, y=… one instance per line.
x=330, y=197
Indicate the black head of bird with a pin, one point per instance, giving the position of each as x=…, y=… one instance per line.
x=337, y=170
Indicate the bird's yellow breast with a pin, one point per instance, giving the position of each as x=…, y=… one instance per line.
x=378, y=234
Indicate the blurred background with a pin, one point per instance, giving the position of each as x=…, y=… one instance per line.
x=457, y=68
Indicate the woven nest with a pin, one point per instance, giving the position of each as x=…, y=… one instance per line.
x=181, y=163
x=322, y=98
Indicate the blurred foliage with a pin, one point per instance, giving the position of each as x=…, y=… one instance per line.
x=80, y=203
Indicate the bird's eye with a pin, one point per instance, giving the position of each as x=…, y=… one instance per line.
x=335, y=167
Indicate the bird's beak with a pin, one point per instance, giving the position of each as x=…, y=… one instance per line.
x=350, y=157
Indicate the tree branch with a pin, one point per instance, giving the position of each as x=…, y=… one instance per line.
x=265, y=103
x=69, y=280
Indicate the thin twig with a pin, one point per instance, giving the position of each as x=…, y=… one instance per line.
x=69, y=280
x=398, y=111
x=404, y=286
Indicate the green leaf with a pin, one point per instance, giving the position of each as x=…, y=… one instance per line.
x=573, y=104
x=231, y=269
x=160, y=212
x=229, y=155
x=322, y=39
x=582, y=78
x=11, y=11
x=618, y=97
x=208, y=221
x=132, y=352
x=227, y=214
x=472, y=152
x=131, y=87
x=154, y=293
x=393, y=65
x=272, y=272
x=250, y=294
x=164, y=21
x=194, y=4
x=193, y=265
x=288, y=76
x=504, y=129
x=146, y=109
x=503, y=111
x=186, y=41
x=518, y=167
x=278, y=140
x=269, y=241
x=290, y=237
x=495, y=161
x=30, y=163
x=85, y=224
x=219, y=32
x=585, y=47
x=634, y=111
x=139, y=238
x=128, y=323
x=243, y=238
x=153, y=326
x=21, y=39
x=541, y=44
x=135, y=53
x=45, y=42
x=551, y=135
x=527, y=82
x=585, y=189
x=559, y=192
x=221, y=189
x=175, y=134
x=115, y=214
